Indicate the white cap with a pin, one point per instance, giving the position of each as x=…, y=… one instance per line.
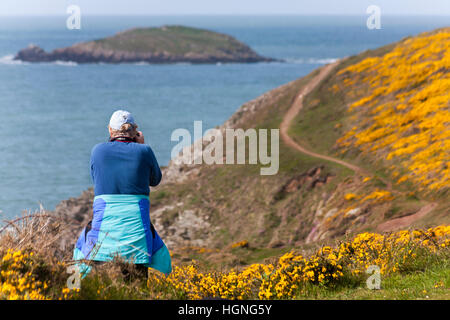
x=119, y=118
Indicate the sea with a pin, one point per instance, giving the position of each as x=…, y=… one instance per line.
x=52, y=114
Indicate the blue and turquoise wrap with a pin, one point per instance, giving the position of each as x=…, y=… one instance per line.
x=121, y=226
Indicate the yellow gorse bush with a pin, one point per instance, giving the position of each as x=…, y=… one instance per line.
x=16, y=279
x=240, y=244
x=197, y=285
x=404, y=114
x=328, y=266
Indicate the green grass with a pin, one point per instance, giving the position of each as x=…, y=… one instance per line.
x=416, y=285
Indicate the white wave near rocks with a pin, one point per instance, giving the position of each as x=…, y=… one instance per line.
x=9, y=59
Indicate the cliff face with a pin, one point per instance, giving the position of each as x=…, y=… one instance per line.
x=170, y=44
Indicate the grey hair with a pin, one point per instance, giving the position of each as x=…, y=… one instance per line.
x=126, y=130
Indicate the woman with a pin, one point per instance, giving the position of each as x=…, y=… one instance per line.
x=122, y=170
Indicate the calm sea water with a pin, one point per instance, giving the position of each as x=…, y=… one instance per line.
x=52, y=114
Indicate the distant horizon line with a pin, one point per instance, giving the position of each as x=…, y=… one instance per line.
x=229, y=14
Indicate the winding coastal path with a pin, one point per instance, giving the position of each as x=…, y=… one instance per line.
x=295, y=109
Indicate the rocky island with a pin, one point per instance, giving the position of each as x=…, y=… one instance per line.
x=166, y=44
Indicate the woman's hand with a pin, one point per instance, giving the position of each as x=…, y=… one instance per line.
x=140, y=137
